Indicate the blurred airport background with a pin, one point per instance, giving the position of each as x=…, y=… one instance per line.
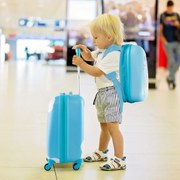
x=46, y=30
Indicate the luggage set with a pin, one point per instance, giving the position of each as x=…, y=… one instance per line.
x=66, y=113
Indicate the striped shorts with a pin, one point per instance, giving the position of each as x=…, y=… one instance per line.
x=107, y=105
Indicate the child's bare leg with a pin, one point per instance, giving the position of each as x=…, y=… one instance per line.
x=117, y=139
x=104, y=137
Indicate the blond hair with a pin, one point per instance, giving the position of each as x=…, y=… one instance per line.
x=109, y=24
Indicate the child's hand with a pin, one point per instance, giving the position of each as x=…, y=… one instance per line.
x=85, y=52
x=77, y=60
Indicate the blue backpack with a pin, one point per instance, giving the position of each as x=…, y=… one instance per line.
x=133, y=85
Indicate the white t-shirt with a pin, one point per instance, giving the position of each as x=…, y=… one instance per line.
x=108, y=64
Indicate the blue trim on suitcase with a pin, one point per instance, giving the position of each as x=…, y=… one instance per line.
x=61, y=131
x=63, y=128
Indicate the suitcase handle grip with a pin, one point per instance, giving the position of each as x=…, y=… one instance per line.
x=78, y=53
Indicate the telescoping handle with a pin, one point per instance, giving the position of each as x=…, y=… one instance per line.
x=78, y=53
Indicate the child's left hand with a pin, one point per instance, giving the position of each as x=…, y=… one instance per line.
x=77, y=60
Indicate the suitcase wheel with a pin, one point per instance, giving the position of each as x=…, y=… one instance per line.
x=77, y=164
x=47, y=167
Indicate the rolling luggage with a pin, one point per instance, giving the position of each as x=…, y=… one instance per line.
x=65, y=130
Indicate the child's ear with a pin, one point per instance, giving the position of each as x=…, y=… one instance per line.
x=110, y=38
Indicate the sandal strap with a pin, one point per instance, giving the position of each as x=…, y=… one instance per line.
x=116, y=162
x=96, y=155
x=101, y=154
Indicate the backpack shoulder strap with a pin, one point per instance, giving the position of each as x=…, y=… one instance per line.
x=117, y=85
x=111, y=48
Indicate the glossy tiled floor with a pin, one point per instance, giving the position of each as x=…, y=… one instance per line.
x=151, y=129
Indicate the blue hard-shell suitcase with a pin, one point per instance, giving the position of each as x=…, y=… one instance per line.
x=65, y=131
